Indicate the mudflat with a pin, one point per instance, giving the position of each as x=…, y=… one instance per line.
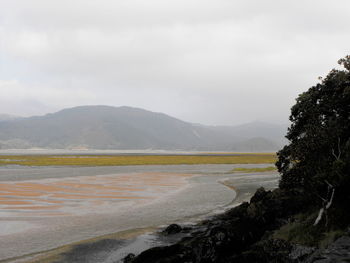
x=47, y=207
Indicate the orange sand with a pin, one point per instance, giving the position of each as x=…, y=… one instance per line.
x=34, y=207
x=97, y=190
x=10, y=202
x=66, y=196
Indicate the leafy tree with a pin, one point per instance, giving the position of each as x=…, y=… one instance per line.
x=318, y=154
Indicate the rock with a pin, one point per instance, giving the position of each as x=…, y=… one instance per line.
x=129, y=258
x=299, y=253
x=172, y=229
x=338, y=251
x=259, y=195
x=238, y=235
x=266, y=251
x=173, y=254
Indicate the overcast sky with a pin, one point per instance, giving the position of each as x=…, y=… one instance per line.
x=211, y=62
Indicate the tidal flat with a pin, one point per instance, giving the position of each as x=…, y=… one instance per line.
x=47, y=207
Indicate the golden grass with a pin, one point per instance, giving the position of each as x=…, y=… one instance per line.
x=254, y=169
x=111, y=160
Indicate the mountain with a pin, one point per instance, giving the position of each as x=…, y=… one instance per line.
x=258, y=129
x=6, y=117
x=106, y=127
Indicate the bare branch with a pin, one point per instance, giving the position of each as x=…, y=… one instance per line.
x=334, y=153
x=326, y=204
x=337, y=156
x=323, y=199
x=319, y=217
x=331, y=200
x=329, y=185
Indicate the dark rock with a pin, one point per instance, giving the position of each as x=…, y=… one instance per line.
x=300, y=253
x=259, y=195
x=129, y=258
x=186, y=229
x=238, y=235
x=266, y=251
x=338, y=251
x=164, y=254
x=172, y=229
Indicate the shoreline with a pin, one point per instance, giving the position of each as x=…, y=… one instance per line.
x=194, y=218
x=123, y=235
x=55, y=253
x=135, y=235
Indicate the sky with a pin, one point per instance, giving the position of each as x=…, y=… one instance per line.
x=218, y=62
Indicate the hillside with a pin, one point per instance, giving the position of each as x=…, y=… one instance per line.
x=106, y=127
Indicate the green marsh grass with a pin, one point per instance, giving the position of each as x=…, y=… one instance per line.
x=112, y=160
x=301, y=230
x=254, y=169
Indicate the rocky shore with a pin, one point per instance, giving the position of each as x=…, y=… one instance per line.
x=245, y=234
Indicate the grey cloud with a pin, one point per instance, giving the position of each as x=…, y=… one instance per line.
x=217, y=62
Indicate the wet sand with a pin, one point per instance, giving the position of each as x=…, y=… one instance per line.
x=62, y=210
x=78, y=195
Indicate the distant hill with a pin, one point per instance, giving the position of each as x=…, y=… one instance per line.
x=105, y=127
x=6, y=117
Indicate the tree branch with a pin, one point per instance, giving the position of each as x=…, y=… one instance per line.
x=337, y=156
x=326, y=204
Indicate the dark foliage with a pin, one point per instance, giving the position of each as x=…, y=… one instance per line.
x=319, y=150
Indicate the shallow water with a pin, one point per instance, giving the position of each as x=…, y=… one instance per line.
x=166, y=194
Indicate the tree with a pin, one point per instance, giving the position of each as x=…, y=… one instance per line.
x=318, y=154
